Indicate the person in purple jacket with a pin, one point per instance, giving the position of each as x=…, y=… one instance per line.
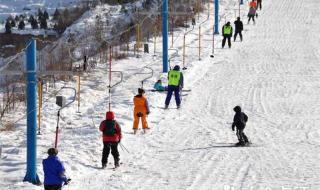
x=54, y=171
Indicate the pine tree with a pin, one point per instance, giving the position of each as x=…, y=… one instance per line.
x=31, y=18
x=21, y=25
x=46, y=15
x=34, y=24
x=8, y=27
x=43, y=23
x=56, y=15
x=40, y=14
x=17, y=19
x=13, y=23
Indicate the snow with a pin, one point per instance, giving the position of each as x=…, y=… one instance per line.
x=273, y=75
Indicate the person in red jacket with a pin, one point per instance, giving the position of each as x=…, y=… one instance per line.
x=111, y=138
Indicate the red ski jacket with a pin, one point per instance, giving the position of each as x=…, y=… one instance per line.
x=116, y=137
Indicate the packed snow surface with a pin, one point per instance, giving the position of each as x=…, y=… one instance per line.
x=274, y=75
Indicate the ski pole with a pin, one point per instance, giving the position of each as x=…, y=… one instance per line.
x=123, y=147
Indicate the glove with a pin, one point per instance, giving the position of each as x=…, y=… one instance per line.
x=67, y=182
x=148, y=113
x=119, y=141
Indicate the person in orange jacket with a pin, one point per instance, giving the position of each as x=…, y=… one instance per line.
x=253, y=4
x=141, y=110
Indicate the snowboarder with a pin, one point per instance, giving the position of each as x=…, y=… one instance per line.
x=175, y=84
x=259, y=4
x=227, y=34
x=141, y=110
x=54, y=171
x=238, y=28
x=239, y=120
x=111, y=138
x=158, y=86
x=252, y=14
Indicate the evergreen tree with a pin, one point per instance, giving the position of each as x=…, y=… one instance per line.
x=31, y=18
x=40, y=14
x=43, y=23
x=13, y=23
x=46, y=15
x=34, y=24
x=17, y=19
x=56, y=15
x=21, y=25
x=8, y=27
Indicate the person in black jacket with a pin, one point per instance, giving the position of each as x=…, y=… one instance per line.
x=238, y=28
x=239, y=120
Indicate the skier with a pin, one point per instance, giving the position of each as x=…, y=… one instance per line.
x=259, y=4
x=253, y=4
x=158, y=86
x=239, y=120
x=251, y=14
x=141, y=110
x=111, y=138
x=54, y=171
x=175, y=84
x=227, y=34
x=238, y=28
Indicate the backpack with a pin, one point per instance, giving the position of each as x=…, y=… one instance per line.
x=243, y=118
x=110, y=128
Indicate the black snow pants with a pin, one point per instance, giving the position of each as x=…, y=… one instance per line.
x=114, y=151
x=225, y=37
x=236, y=33
x=241, y=136
x=251, y=16
x=52, y=187
x=259, y=4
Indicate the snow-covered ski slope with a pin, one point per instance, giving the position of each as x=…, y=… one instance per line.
x=273, y=74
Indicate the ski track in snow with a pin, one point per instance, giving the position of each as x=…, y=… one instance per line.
x=273, y=74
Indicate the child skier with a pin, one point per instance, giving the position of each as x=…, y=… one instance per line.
x=158, y=86
x=141, y=110
x=54, y=171
x=111, y=138
x=239, y=120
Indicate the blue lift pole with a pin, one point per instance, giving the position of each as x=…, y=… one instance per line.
x=165, y=35
x=31, y=175
x=216, y=16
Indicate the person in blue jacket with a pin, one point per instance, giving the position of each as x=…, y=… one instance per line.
x=54, y=171
x=158, y=86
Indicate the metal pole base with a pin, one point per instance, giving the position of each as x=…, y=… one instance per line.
x=32, y=179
